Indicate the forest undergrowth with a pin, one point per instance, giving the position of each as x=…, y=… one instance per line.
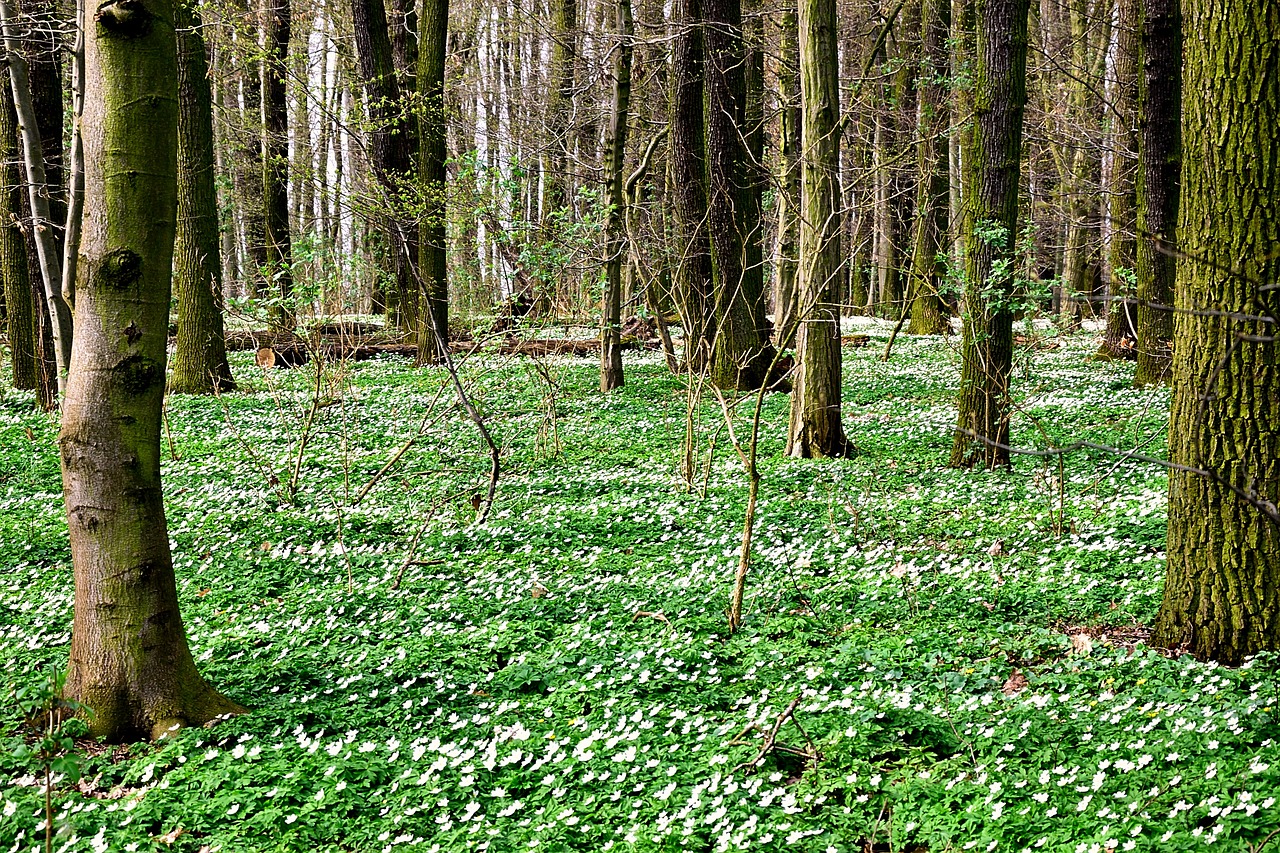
x=930, y=659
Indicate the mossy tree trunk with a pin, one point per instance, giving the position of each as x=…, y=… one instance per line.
x=693, y=277
x=785, y=296
x=276, y=32
x=200, y=355
x=993, y=167
x=1159, y=165
x=929, y=314
x=14, y=272
x=815, y=429
x=433, y=35
x=1222, y=590
x=129, y=657
x=615, y=226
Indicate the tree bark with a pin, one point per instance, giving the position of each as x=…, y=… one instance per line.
x=929, y=314
x=815, y=428
x=615, y=230
x=389, y=147
x=276, y=33
x=557, y=194
x=129, y=662
x=994, y=159
x=32, y=130
x=785, y=296
x=1159, y=163
x=1121, y=333
x=432, y=38
x=14, y=272
x=1222, y=591
x=739, y=356
x=200, y=354
x=693, y=288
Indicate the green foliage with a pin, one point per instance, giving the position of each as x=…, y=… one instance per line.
x=966, y=648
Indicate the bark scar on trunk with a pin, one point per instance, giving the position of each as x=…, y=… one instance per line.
x=126, y=18
x=138, y=374
x=119, y=269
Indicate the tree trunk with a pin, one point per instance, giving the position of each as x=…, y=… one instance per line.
x=739, y=357
x=693, y=289
x=1222, y=590
x=200, y=354
x=432, y=38
x=815, y=428
x=929, y=314
x=14, y=272
x=130, y=662
x=1159, y=164
x=994, y=158
x=389, y=148
x=785, y=297
x=557, y=195
x=1121, y=333
x=244, y=92
x=30, y=99
x=615, y=236
x=276, y=33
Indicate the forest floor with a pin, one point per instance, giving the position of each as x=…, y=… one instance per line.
x=931, y=659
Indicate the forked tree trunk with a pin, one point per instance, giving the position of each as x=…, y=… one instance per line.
x=615, y=236
x=1159, y=165
x=1222, y=590
x=815, y=428
x=432, y=266
x=129, y=657
x=200, y=354
x=993, y=162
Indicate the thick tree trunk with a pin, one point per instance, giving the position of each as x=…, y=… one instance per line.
x=1159, y=164
x=994, y=159
x=815, y=428
x=929, y=314
x=129, y=657
x=785, y=296
x=1222, y=591
x=739, y=356
x=432, y=38
x=14, y=272
x=693, y=279
x=200, y=355
x=615, y=231
x=276, y=33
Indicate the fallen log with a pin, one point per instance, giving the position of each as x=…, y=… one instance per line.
x=561, y=346
x=281, y=357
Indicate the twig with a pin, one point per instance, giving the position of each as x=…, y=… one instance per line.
x=771, y=739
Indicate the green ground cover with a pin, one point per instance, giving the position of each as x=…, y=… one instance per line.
x=961, y=652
